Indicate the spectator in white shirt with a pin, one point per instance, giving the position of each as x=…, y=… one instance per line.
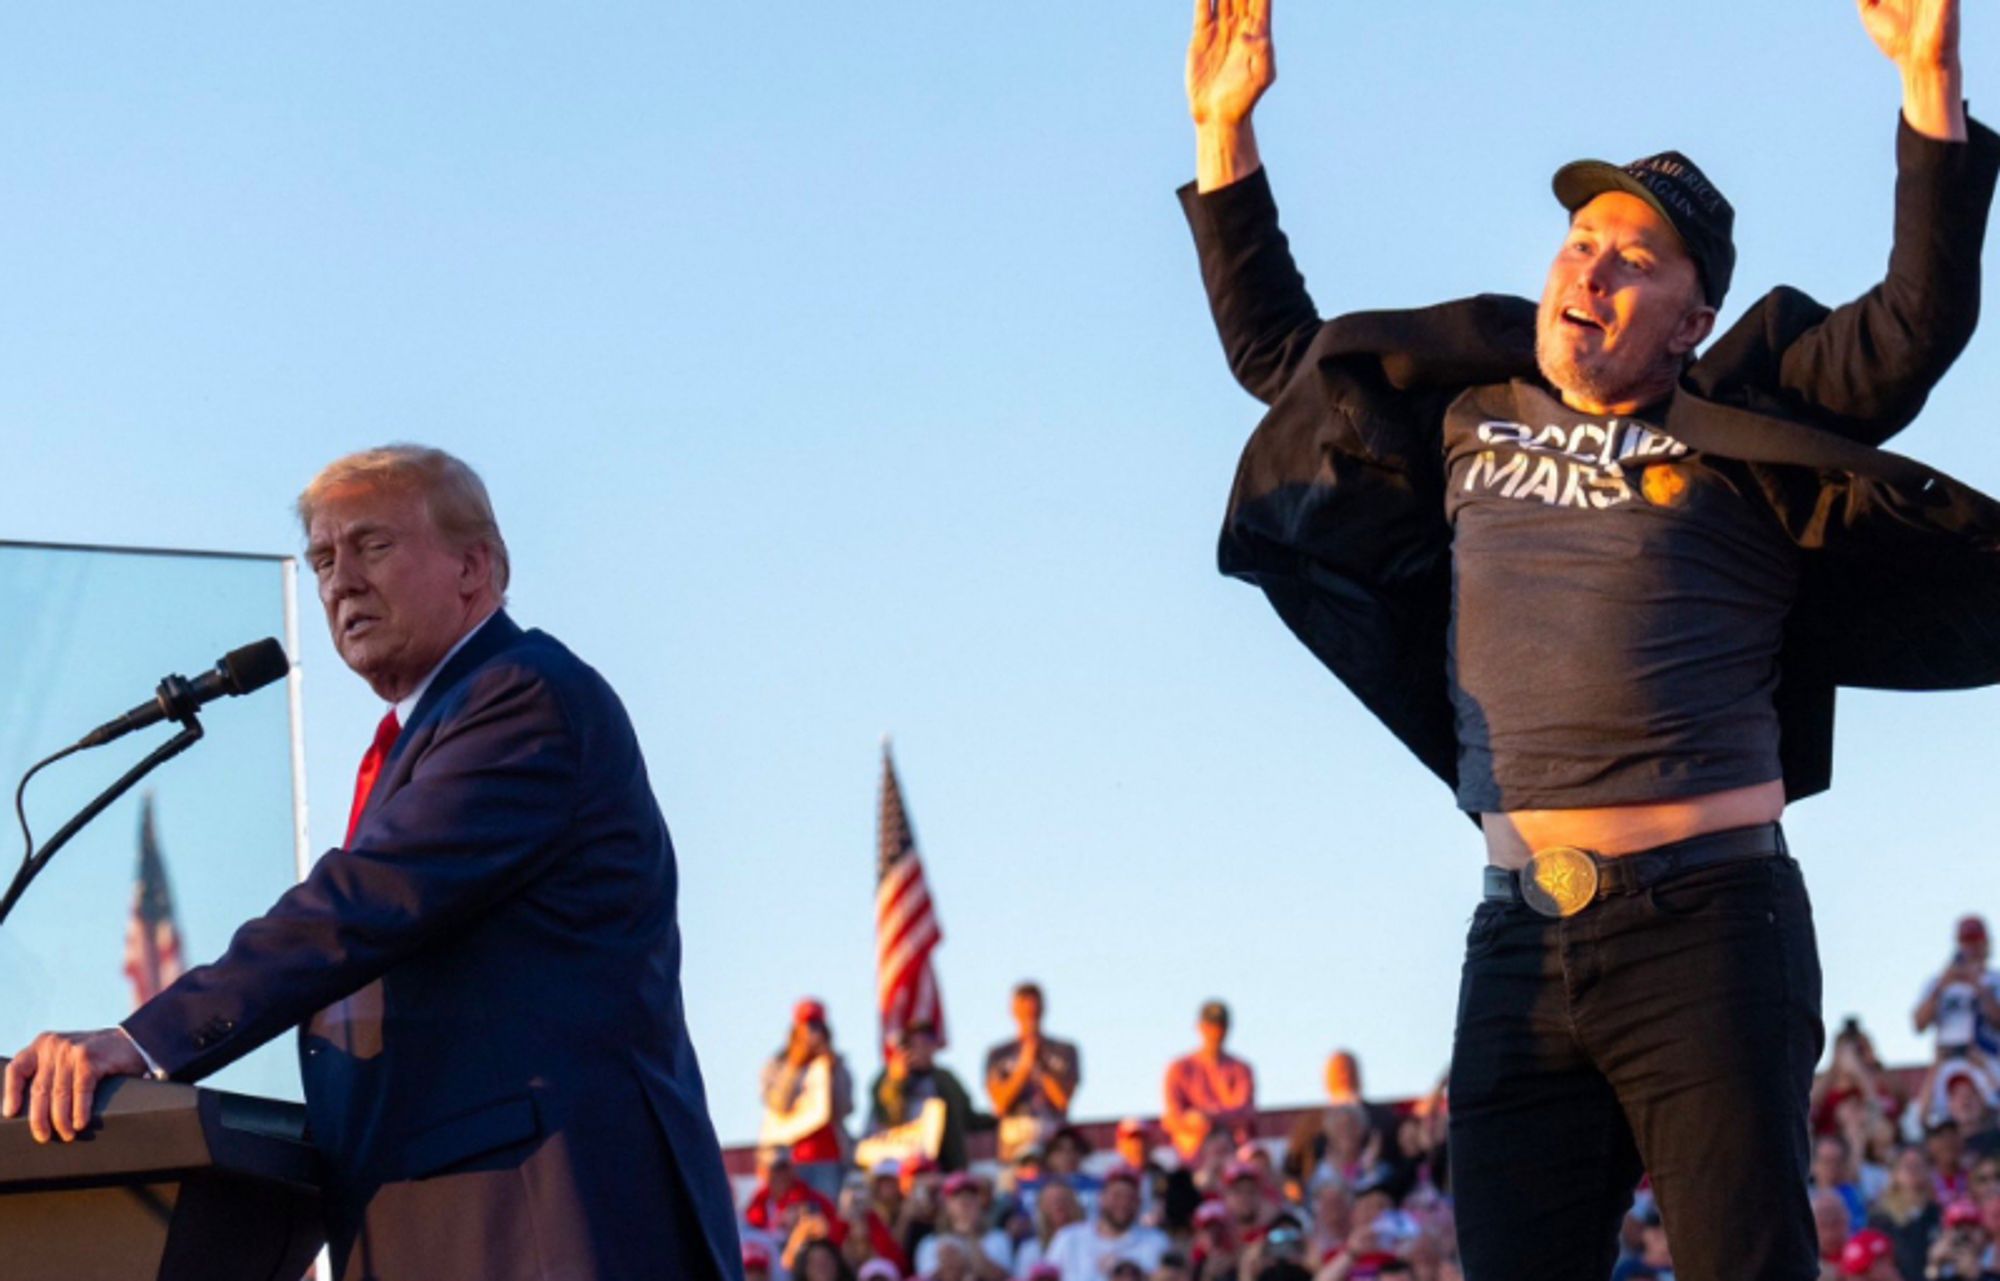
x=1085, y=1251
x=808, y=1094
x=1963, y=1001
x=988, y=1252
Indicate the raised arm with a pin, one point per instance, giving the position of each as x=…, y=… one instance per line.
x=1921, y=38
x=1262, y=311
x=1229, y=66
x=1870, y=364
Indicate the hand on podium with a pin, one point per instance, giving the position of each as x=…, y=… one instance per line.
x=57, y=1076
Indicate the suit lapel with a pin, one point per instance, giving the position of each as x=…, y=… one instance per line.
x=493, y=637
x=352, y=1026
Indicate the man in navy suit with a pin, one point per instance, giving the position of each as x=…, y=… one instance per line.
x=487, y=974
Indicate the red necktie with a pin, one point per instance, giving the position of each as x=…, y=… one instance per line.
x=371, y=766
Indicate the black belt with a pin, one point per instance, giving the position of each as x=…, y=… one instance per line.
x=1564, y=879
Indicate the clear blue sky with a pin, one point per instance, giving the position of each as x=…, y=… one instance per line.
x=840, y=370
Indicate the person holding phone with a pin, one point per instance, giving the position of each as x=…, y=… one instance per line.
x=1961, y=1005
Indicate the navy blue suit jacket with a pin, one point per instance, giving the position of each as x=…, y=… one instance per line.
x=496, y=1061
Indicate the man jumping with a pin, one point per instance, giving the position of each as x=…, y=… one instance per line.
x=1606, y=591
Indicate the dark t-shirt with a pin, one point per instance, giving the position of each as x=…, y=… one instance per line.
x=1617, y=609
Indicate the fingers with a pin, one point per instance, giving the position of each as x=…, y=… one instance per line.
x=38, y=1091
x=20, y=1071
x=1204, y=15
x=84, y=1092
x=62, y=1088
x=55, y=1082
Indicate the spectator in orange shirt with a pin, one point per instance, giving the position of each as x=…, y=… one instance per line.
x=1209, y=1090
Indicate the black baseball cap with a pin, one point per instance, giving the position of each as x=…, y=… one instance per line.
x=1678, y=191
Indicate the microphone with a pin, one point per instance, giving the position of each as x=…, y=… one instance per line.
x=238, y=672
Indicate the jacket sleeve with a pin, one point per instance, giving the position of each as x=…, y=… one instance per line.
x=1255, y=292
x=484, y=811
x=1867, y=367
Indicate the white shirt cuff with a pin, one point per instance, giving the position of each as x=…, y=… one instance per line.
x=152, y=1067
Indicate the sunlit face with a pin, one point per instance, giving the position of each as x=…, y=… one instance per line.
x=962, y=1210
x=1346, y=1131
x=1132, y=1148
x=1027, y=1011
x=1343, y=1077
x=1058, y=1206
x=1065, y=1155
x=1912, y=1172
x=397, y=595
x=1118, y=1204
x=1621, y=310
x=1332, y=1210
x=1945, y=1149
x=1965, y=1105
x=920, y=1051
x=1984, y=1178
x=1213, y=1033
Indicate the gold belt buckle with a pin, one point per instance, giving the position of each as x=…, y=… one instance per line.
x=1559, y=881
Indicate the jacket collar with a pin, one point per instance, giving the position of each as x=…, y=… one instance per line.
x=1491, y=339
x=491, y=637
x=1467, y=343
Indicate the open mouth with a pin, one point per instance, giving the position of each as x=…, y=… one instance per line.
x=1581, y=319
x=357, y=626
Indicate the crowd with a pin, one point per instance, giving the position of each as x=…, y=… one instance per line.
x=1904, y=1180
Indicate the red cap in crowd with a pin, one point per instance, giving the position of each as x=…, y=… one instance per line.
x=1237, y=1170
x=1972, y=929
x=960, y=1182
x=1961, y=1214
x=809, y=1010
x=1044, y=1272
x=755, y=1256
x=1122, y=1171
x=1210, y=1213
x=1864, y=1250
x=878, y=1270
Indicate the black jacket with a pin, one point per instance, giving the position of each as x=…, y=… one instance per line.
x=1338, y=514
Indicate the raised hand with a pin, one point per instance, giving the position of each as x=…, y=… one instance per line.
x=1921, y=38
x=1229, y=61
x=1913, y=33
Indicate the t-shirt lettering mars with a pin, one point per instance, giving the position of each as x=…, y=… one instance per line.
x=1617, y=609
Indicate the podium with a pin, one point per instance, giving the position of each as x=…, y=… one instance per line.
x=170, y=1183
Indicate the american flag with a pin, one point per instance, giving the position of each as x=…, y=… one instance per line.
x=906, y=925
x=152, y=940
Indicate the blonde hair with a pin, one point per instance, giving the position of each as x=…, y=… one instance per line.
x=453, y=494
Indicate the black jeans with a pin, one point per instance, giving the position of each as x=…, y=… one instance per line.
x=1673, y=1031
